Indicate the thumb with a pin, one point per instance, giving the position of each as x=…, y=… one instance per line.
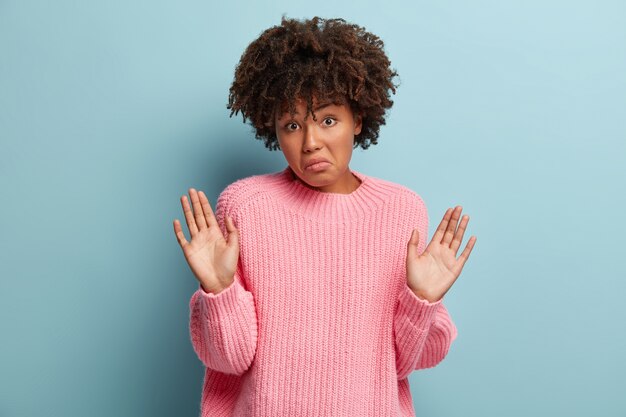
x=413, y=243
x=233, y=232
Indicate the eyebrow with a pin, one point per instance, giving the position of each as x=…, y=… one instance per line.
x=321, y=106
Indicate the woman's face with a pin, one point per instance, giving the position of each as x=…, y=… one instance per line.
x=329, y=138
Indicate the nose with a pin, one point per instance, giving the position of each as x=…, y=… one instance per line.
x=311, y=140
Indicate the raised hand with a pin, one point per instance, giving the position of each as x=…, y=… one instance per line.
x=431, y=274
x=212, y=258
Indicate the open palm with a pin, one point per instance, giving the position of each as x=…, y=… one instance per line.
x=431, y=274
x=211, y=257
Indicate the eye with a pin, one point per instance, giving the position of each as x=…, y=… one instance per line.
x=333, y=121
x=291, y=125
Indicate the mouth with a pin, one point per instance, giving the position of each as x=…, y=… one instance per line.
x=318, y=166
x=316, y=162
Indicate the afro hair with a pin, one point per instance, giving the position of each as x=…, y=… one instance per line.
x=329, y=59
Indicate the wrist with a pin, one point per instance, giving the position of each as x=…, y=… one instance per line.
x=212, y=290
x=423, y=296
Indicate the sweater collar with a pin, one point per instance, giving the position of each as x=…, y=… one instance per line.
x=332, y=207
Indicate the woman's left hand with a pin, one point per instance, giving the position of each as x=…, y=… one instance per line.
x=431, y=274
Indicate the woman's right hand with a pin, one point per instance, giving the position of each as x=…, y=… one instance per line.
x=212, y=259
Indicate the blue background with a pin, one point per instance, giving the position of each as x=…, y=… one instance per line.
x=111, y=110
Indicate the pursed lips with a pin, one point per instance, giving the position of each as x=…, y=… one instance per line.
x=315, y=161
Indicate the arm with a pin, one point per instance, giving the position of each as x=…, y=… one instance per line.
x=423, y=333
x=423, y=329
x=223, y=326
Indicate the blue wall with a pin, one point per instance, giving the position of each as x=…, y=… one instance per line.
x=111, y=110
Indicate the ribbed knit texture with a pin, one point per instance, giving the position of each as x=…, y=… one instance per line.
x=319, y=320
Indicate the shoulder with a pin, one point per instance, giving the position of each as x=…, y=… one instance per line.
x=398, y=192
x=241, y=192
x=405, y=203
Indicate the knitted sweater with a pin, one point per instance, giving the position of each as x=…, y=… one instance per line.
x=319, y=320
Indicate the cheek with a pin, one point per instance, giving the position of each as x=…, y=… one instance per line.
x=289, y=150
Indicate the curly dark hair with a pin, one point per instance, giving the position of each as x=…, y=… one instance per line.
x=329, y=59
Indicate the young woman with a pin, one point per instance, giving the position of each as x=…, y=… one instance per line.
x=318, y=294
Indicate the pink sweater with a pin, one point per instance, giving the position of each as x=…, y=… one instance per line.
x=319, y=320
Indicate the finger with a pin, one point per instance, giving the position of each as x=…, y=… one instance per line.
x=191, y=223
x=180, y=236
x=466, y=253
x=209, y=216
x=458, y=236
x=438, y=235
x=197, y=209
x=233, y=233
x=413, y=244
x=447, y=236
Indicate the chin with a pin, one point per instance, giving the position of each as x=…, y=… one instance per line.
x=316, y=180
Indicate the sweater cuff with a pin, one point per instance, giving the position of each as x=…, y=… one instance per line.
x=223, y=304
x=421, y=313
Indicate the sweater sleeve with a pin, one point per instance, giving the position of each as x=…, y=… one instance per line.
x=423, y=331
x=223, y=326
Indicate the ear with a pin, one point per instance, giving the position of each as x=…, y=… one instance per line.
x=358, y=124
